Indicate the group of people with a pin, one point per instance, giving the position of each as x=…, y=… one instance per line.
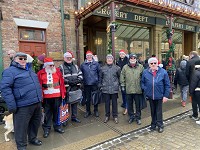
x=25, y=92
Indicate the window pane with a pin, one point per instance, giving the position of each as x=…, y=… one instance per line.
x=31, y=35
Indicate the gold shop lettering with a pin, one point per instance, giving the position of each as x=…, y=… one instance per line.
x=118, y=14
x=140, y=18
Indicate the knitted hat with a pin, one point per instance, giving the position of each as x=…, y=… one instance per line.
x=152, y=59
x=68, y=54
x=122, y=52
x=109, y=56
x=48, y=61
x=89, y=53
x=41, y=57
x=132, y=55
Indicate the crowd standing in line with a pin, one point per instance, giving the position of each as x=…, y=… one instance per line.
x=24, y=91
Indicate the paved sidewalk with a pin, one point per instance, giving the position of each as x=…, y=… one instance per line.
x=92, y=130
x=180, y=133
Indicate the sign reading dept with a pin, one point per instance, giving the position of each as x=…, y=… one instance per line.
x=127, y=16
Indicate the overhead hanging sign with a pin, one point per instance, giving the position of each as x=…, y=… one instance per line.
x=126, y=16
x=129, y=16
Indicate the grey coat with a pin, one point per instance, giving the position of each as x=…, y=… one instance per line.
x=109, y=79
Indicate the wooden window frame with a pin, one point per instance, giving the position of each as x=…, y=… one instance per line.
x=33, y=41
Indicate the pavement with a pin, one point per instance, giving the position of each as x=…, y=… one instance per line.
x=92, y=133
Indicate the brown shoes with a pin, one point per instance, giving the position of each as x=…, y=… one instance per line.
x=125, y=112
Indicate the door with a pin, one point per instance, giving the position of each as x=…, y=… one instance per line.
x=32, y=48
x=32, y=41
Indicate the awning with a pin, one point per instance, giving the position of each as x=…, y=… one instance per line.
x=163, y=6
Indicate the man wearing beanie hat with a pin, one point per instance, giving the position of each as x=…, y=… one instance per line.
x=22, y=93
x=53, y=89
x=73, y=78
x=90, y=70
x=123, y=60
x=156, y=86
x=109, y=84
x=181, y=79
x=130, y=81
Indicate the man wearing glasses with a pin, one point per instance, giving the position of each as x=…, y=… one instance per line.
x=22, y=92
x=130, y=82
x=73, y=78
x=156, y=86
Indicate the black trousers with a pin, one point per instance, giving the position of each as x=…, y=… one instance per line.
x=195, y=103
x=156, y=113
x=51, y=106
x=26, y=122
x=73, y=110
x=88, y=90
x=108, y=98
x=131, y=98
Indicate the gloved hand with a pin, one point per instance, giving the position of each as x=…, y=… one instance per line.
x=123, y=88
x=13, y=110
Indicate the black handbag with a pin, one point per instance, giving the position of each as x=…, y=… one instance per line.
x=74, y=96
x=143, y=101
x=96, y=97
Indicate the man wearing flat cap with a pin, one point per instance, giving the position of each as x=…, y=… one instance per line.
x=22, y=92
x=130, y=81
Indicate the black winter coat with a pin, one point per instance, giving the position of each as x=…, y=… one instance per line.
x=180, y=77
x=195, y=81
x=72, y=76
x=109, y=79
x=190, y=67
x=121, y=62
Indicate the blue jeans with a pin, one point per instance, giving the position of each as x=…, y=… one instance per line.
x=184, y=92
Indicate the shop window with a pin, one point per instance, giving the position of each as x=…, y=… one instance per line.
x=31, y=35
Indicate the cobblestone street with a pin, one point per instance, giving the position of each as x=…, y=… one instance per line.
x=181, y=133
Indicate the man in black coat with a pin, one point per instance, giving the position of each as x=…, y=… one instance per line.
x=123, y=60
x=194, y=57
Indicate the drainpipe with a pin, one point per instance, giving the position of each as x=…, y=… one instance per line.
x=63, y=26
x=77, y=23
x=112, y=19
x=1, y=50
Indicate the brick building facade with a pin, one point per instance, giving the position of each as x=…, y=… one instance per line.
x=33, y=15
